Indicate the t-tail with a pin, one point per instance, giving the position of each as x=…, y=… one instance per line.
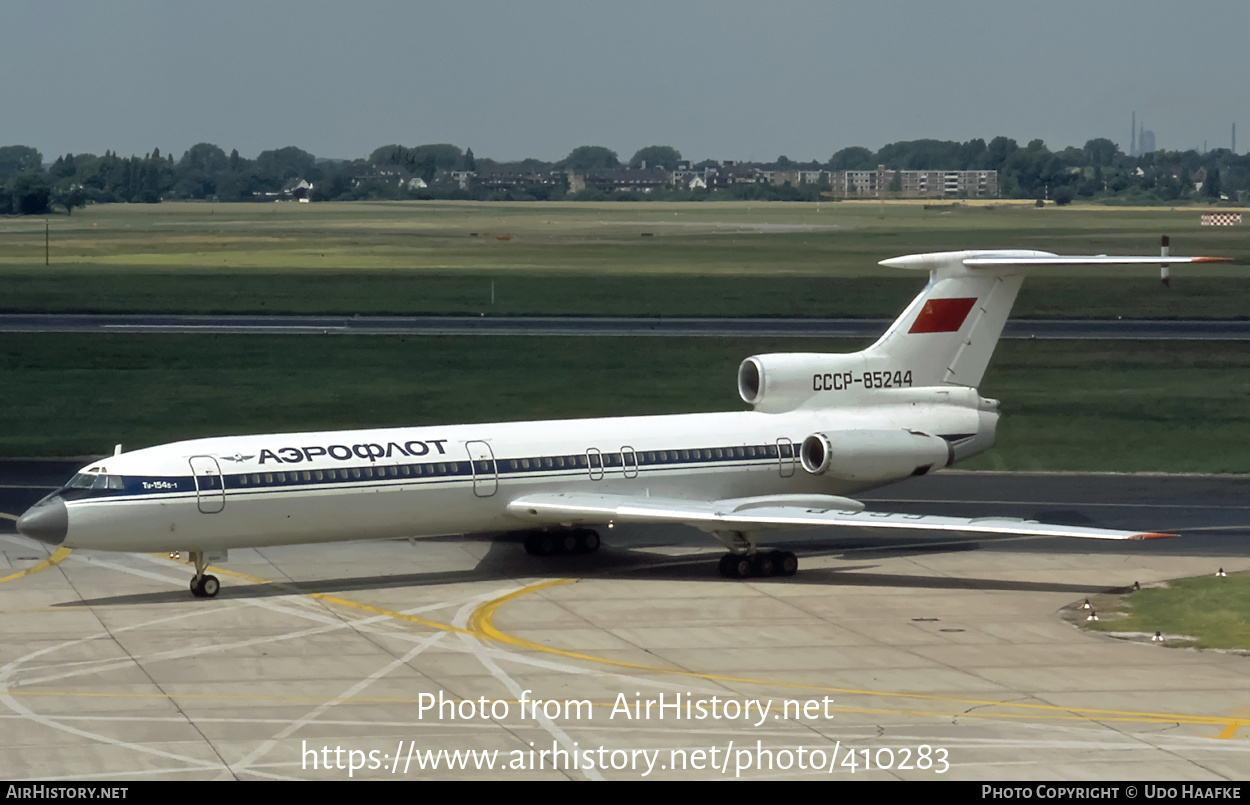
x=944, y=338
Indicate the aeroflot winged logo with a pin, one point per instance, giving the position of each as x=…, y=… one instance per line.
x=942, y=315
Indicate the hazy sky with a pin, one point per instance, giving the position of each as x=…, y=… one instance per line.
x=521, y=78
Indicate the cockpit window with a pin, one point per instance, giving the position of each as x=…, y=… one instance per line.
x=84, y=480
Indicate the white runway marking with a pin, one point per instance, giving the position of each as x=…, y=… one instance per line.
x=484, y=653
x=315, y=714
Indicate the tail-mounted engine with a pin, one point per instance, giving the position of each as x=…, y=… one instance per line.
x=784, y=381
x=874, y=455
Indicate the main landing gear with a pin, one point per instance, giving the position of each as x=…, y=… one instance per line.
x=762, y=564
x=745, y=560
x=562, y=542
x=203, y=586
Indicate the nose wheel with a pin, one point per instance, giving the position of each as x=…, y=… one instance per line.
x=203, y=585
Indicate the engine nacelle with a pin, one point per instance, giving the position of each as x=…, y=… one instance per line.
x=784, y=381
x=874, y=455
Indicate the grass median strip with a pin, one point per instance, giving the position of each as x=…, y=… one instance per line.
x=1201, y=612
x=1067, y=405
x=713, y=259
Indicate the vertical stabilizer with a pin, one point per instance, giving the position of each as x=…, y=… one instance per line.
x=948, y=333
x=945, y=337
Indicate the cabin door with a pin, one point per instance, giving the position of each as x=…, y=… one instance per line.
x=594, y=462
x=785, y=457
x=210, y=487
x=485, y=470
x=629, y=462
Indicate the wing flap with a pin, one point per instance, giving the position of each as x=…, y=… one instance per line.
x=780, y=511
x=735, y=514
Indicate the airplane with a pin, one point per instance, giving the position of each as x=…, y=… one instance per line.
x=824, y=427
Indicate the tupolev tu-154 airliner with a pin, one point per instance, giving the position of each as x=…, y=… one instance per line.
x=824, y=427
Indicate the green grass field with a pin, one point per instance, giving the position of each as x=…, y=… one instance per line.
x=1209, y=611
x=1106, y=406
x=694, y=259
x=1089, y=406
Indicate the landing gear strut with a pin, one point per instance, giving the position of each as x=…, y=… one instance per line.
x=745, y=560
x=203, y=586
x=562, y=542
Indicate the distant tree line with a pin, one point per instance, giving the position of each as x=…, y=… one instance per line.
x=1098, y=171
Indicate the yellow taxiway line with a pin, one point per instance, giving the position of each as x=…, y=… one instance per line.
x=52, y=561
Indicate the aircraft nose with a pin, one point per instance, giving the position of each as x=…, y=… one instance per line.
x=46, y=521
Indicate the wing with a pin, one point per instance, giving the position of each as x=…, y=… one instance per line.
x=777, y=511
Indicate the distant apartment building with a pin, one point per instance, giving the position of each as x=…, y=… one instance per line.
x=914, y=184
x=794, y=178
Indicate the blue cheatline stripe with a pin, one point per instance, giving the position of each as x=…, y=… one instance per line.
x=575, y=465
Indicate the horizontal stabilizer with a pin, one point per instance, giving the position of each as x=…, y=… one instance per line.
x=948, y=333
x=1094, y=260
x=1026, y=258
x=755, y=514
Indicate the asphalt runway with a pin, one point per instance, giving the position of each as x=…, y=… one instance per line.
x=1118, y=329
x=927, y=658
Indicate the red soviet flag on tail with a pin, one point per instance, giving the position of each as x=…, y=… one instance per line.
x=942, y=315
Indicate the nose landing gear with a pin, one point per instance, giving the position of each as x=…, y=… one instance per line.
x=203, y=585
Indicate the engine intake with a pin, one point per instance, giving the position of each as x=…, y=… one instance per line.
x=874, y=455
x=784, y=381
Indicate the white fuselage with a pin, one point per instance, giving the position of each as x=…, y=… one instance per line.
x=433, y=481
